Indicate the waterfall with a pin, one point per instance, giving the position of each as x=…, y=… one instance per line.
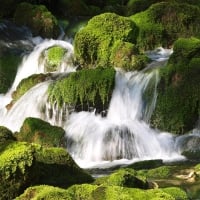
x=123, y=134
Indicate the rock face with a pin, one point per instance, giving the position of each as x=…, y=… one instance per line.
x=41, y=132
x=38, y=19
x=107, y=40
x=84, y=89
x=163, y=23
x=178, y=109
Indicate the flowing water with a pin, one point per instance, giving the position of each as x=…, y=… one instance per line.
x=123, y=136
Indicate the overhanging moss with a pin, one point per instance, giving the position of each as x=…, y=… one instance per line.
x=90, y=87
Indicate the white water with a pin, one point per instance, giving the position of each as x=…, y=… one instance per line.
x=123, y=136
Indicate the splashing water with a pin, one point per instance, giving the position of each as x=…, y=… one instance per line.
x=123, y=134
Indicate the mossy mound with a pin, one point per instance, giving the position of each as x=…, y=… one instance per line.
x=23, y=164
x=38, y=19
x=41, y=132
x=8, y=70
x=108, y=39
x=6, y=134
x=124, y=178
x=92, y=192
x=84, y=89
x=178, y=103
x=163, y=23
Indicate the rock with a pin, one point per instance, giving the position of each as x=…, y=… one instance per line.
x=41, y=132
x=159, y=28
x=24, y=164
x=102, y=43
x=177, y=109
x=38, y=19
x=6, y=134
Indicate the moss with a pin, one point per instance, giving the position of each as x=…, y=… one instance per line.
x=8, y=70
x=178, y=109
x=54, y=58
x=27, y=84
x=94, y=43
x=24, y=164
x=37, y=18
x=5, y=134
x=163, y=23
x=176, y=192
x=41, y=132
x=88, y=88
x=124, y=178
x=126, y=55
x=44, y=192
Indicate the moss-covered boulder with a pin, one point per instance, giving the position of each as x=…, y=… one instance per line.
x=163, y=23
x=124, y=178
x=38, y=19
x=84, y=89
x=26, y=84
x=178, y=108
x=8, y=70
x=23, y=164
x=92, y=192
x=6, y=134
x=38, y=131
x=108, y=39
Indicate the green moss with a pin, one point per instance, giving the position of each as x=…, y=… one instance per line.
x=91, y=87
x=41, y=132
x=8, y=70
x=176, y=192
x=44, y=192
x=24, y=164
x=37, y=18
x=124, y=178
x=159, y=28
x=94, y=43
x=5, y=134
x=54, y=58
x=27, y=84
x=178, y=109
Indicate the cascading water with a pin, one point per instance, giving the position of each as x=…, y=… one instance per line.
x=123, y=134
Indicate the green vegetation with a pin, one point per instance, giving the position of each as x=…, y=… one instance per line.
x=92, y=192
x=24, y=164
x=178, y=109
x=124, y=178
x=38, y=19
x=102, y=41
x=163, y=23
x=5, y=134
x=8, y=70
x=90, y=87
x=54, y=57
x=41, y=132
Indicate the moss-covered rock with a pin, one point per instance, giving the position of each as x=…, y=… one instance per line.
x=92, y=192
x=41, y=132
x=105, y=40
x=38, y=19
x=8, y=70
x=178, y=108
x=163, y=23
x=6, y=134
x=124, y=178
x=25, y=85
x=23, y=164
x=84, y=89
